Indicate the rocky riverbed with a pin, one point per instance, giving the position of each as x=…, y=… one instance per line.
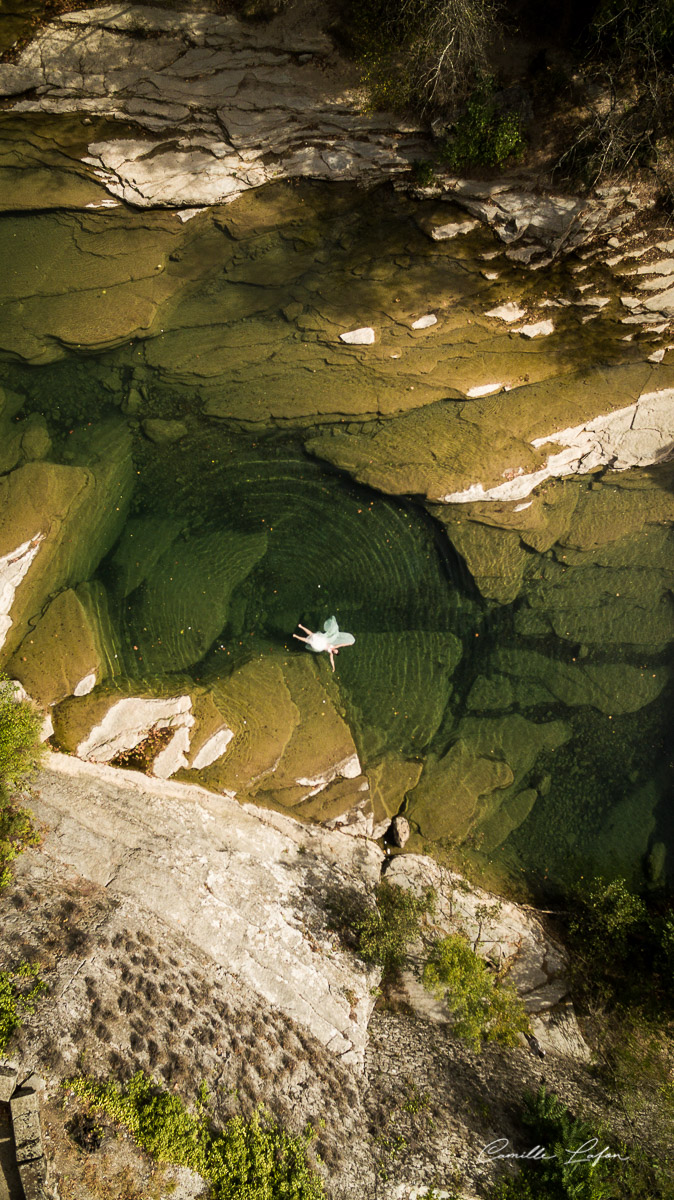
x=254, y=375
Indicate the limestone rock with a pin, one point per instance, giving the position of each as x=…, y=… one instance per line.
x=8, y=1077
x=537, y=329
x=400, y=831
x=111, y=721
x=511, y=937
x=236, y=882
x=358, y=337
x=440, y=450
x=249, y=104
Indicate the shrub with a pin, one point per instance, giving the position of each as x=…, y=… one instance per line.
x=564, y=1174
x=481, y=1007
x=248, y=1160
x=384, y=933
x=20, y=746
x=19, y=990
x=20, y=752
x=483, y=136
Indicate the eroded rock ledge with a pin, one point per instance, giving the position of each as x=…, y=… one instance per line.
x=218, y=106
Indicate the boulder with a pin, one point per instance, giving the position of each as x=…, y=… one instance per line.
x=161, y=432
x=400, y=831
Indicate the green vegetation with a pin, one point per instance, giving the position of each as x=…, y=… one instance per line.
x=483, y=136
x=19, y=990
x=569, y=1171
x=622, y=950
x=427, y=54
x=20, y=751
x=247, y=1160
x=481, y=1006
x=383, y=934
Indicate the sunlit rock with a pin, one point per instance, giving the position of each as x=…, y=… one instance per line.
x=70, y=649
x=57, y=522
x=110, y=722
x=358, y=337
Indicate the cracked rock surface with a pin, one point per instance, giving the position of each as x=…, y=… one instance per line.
x=218, y=106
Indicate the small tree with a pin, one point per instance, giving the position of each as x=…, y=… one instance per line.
x=480, y=1006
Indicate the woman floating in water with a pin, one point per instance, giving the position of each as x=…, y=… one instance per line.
x=332, y=639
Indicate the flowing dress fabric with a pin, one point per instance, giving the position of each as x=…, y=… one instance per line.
x=334, y=636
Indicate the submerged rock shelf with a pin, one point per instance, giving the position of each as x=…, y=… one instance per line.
x=195, y=460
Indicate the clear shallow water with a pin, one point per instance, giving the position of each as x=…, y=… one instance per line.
x=540, y=728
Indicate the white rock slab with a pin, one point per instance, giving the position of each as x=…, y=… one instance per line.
x=129, y=721
x=358, y=337
x=452, y=229
x=636, y=436
x=507, y=312
x=85, y=685
x=212, y=749
x=664, y=267
x=539, y=329
x=425, y=322
x=241, y=883
x=13, y=569
x=484, y=389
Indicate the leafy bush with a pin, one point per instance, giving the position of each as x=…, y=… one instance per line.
x=247, y=1160
x=483, y=137
x=19, y=990
x=565, y=1174
x=481, y=1007
x=20, y=751
x=20, y=746
x=383, y=934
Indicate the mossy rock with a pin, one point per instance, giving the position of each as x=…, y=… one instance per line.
x=321, y=746
x=75, y=513
x=483, y=769
x=528, y=679
x=70, y=649
x=390, y=780
x=183, y=603
x=116, y=717
x=444, y=802
x=495, y=557
x=512, y=813
x=256, y=704
x=447, y=447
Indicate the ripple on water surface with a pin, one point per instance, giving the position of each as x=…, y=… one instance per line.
x=510, y=676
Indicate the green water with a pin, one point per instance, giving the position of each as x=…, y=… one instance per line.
x=528, y=738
